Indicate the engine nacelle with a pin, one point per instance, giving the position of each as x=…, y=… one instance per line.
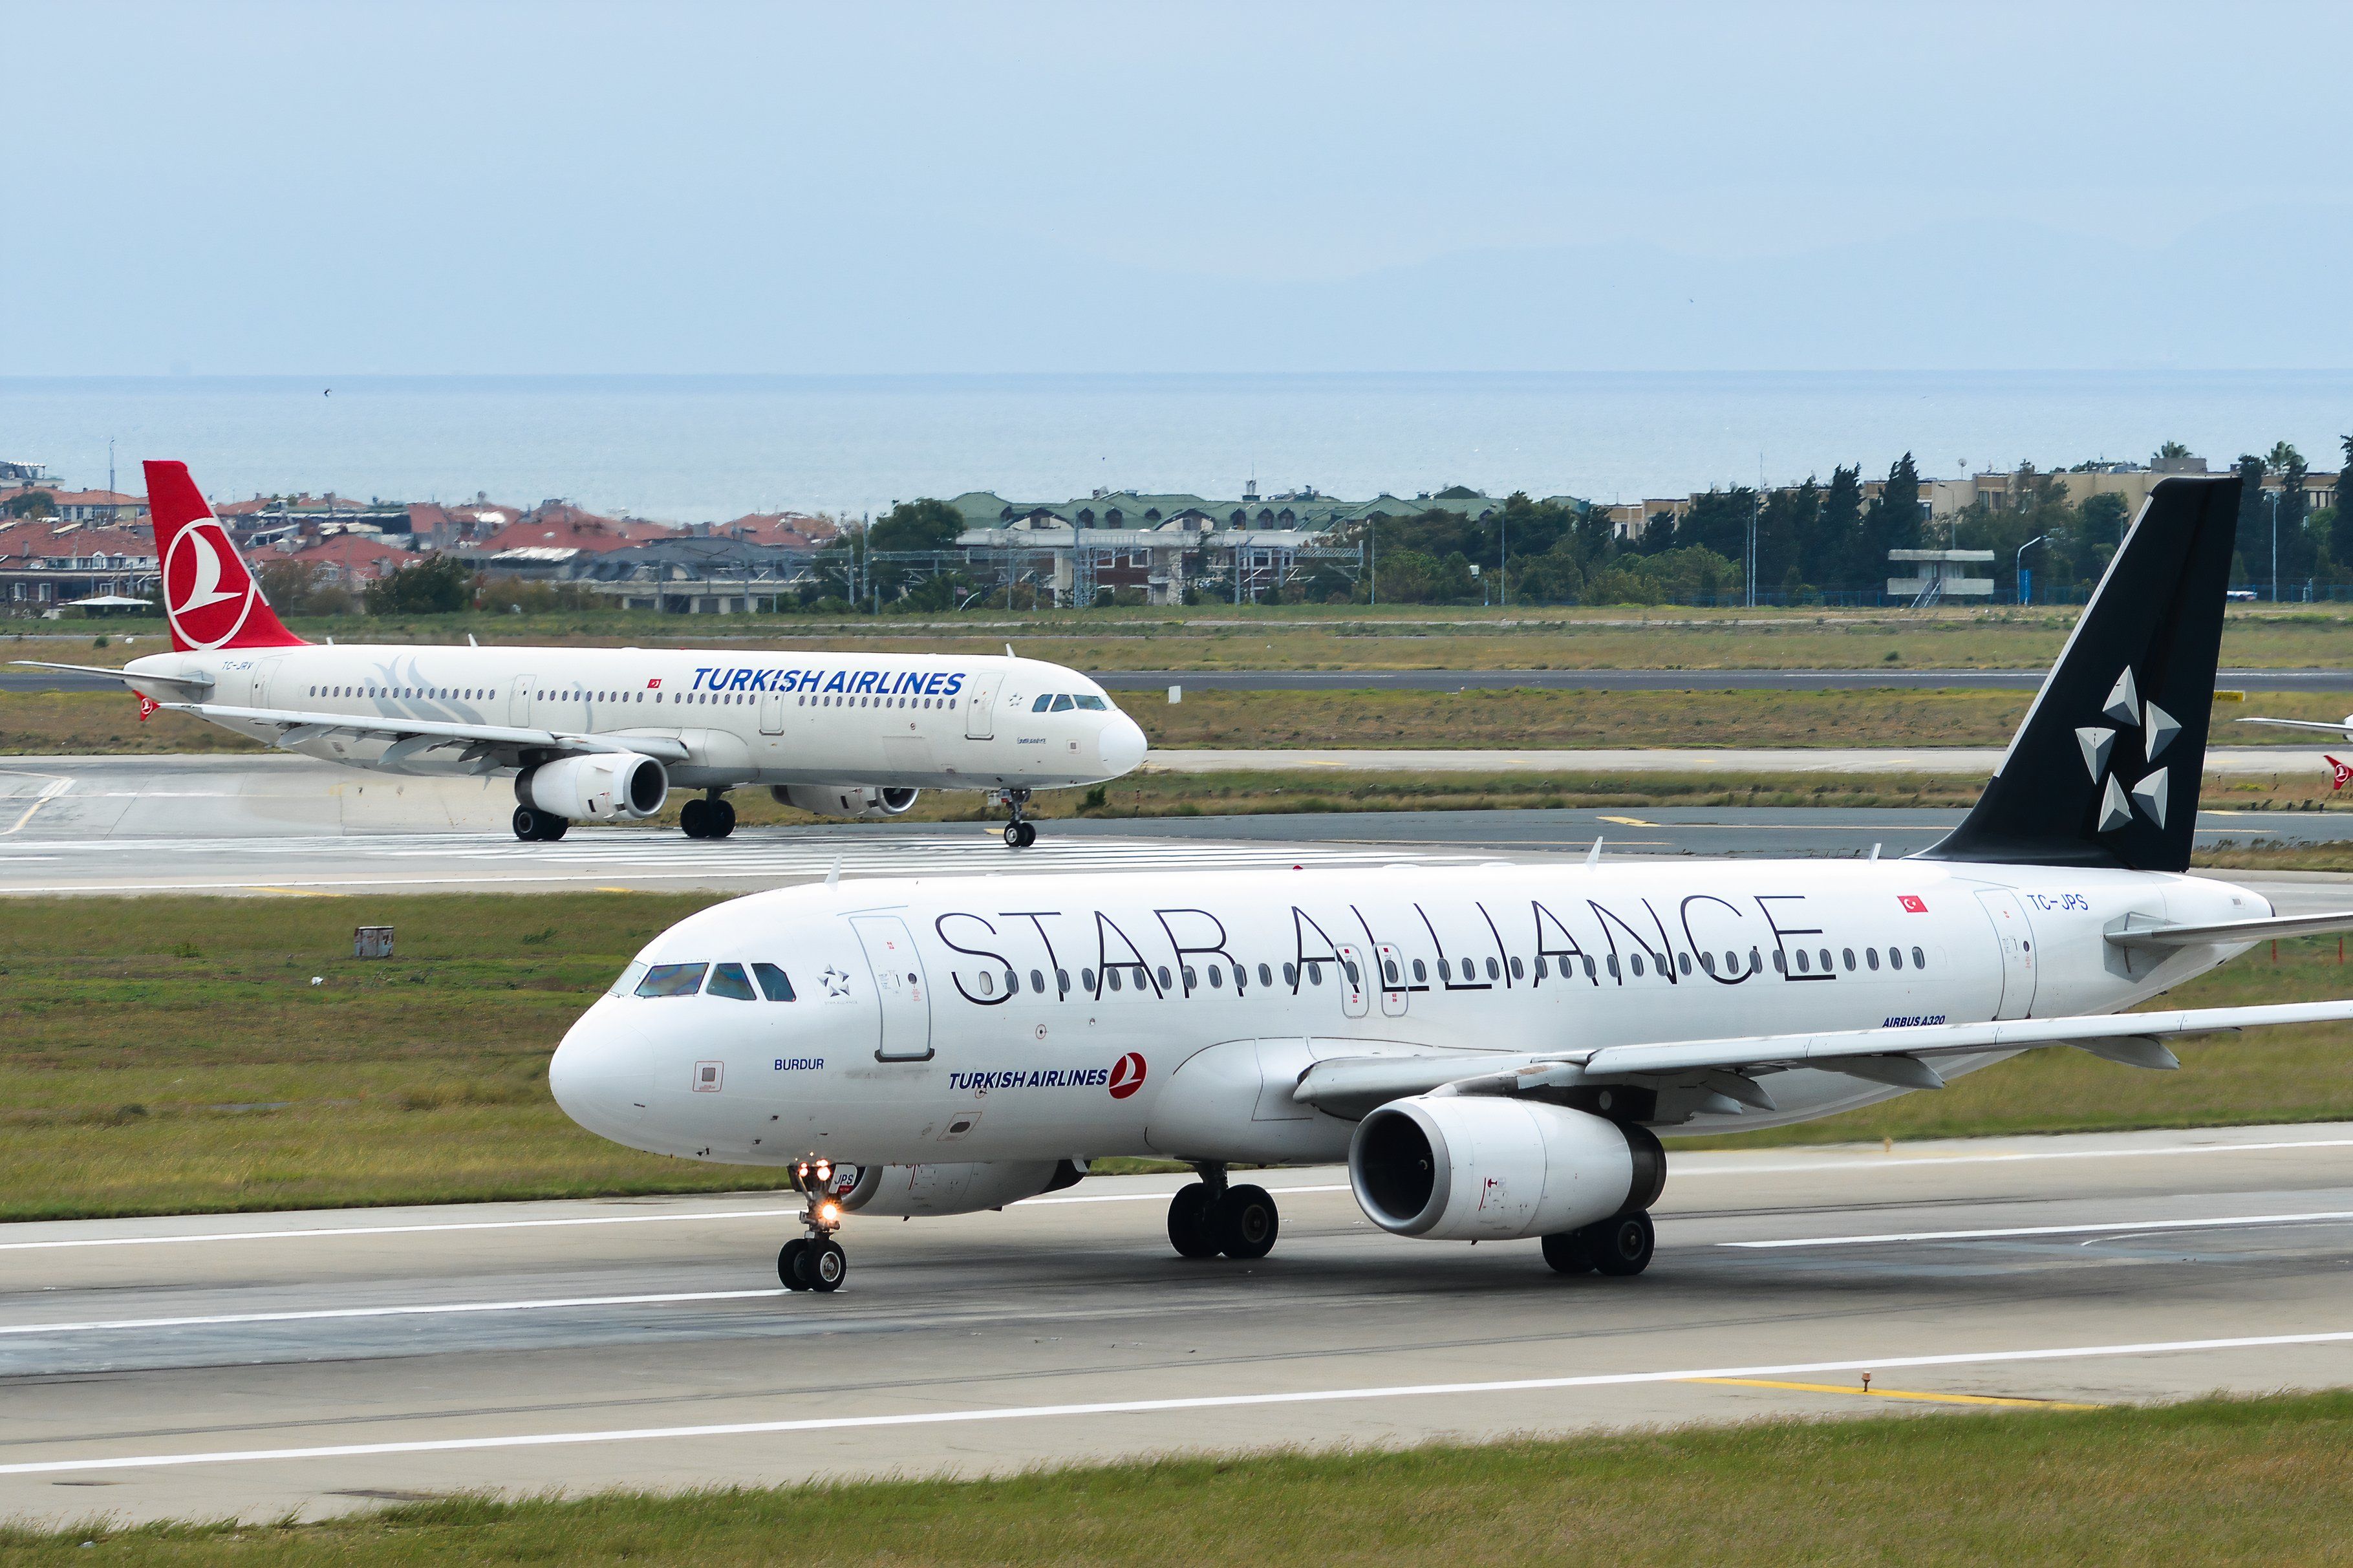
x=1485, y=1168
x=844, y=800
x=935, y=1190
x=600, y=786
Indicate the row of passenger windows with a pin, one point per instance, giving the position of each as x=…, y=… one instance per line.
x=428, y=693
x=728, y=980
x=1062, y=703
x=841, y=702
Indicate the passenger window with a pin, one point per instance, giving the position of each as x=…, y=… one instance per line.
x=1637, y=966
x=672, y=980
x=1093, y=704
x=774, y=982
x=1804, y=965
x=1895, y=957
x=1087, y=978
x=1062, y=980
x=1589, y=968
x=1870, y=956
x=1613, y=968
x=1826, y=961
x=1683, y=962
x=1265, y=975
x=1241, y=978
x=730, y=980
x=1041, y=704
x=1707, y=961
x=1919, y=959
x=1163, y=977
x=1191, y=979
x=1216, y=974
x=1291, y=975
x=1544, y=971
x=1350, y=965
x=1848, y=956
x=1421, y=972
x=1063, y=705
x=629, y=980
x=1445, y=970
x=1389, y=969
x=1314, y=974
x=1113, y=975
x=1038, y=981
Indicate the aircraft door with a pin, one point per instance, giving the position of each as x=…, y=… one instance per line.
x=518, y=705
x=262, y=677
x=980, y=708
x=1393, y=982
x=772, y=713
x=898, y=986
x=1355, y=986
x=2017, y=938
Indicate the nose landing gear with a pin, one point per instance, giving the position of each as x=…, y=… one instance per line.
x=1021, y=833
x=815, y=1261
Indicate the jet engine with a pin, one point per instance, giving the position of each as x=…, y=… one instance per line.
x=844, y=800
x=598, y=786
x=935, y=1190
x=1480, y=1168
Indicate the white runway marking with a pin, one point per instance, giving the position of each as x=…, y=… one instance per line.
x=326, y=1314
x=1154, y=1407
x=2134, y=1225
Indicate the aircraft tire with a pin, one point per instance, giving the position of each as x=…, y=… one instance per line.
x=825, y=1264
x=790, y=1262
x=526, y=824
x=1569, y=1252
x=1622, y=1247
x=721, y=822
x=1190, y=1231
x=1013, y=834
x=552, y=826
x=1028, y=835
x=1246, y=1223
x=693, y=817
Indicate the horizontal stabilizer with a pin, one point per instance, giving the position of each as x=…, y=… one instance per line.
x=2221, y=933
x=194, y=682
x=2344, y=731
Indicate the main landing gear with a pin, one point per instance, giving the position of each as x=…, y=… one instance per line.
x=1209, y=1217
x=815, y=1261
x=713, y=816
x=536, y=827
x=1619, y=1246
x=1021, y=833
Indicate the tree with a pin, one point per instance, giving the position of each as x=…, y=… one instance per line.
x=922, y=524
x=2254, y=534
x=435, y=587
x=2341, y=531
x=2295, y=545
x=2170, y=449
x=1830, y=556
x=29, y=503
x=1893, y=521
x=1786, y=527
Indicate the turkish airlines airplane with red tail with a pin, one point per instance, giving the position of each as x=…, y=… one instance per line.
x=605, y=734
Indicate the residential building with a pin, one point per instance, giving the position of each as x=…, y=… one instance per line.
x=45, y=564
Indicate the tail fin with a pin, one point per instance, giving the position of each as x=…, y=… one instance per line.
x=210, y=598
x=2106, y=769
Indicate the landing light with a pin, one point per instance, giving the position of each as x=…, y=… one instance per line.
x=828, y=1213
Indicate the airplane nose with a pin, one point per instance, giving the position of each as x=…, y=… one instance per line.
x=598, y=1079
x=1122, y=745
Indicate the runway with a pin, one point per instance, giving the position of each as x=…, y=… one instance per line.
x=279, y=825
x=322, y=1362
x=1882, y=679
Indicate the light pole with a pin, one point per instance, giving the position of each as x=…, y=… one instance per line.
x=2018, y=564
x=2274, y=501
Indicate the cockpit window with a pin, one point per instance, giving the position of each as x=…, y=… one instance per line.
x=629, y=978
x=1042, y=703
x=773, y=981
x=672, y=980
x=1063, y=704
x=1093, y=704
x=729, y=980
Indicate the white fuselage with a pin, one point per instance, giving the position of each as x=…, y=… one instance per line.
x=1067, y=1016
x=896, y=721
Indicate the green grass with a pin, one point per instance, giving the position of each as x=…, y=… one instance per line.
x=2214, y=1482
x=168, y=1056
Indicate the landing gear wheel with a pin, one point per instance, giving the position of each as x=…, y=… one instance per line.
x=526, y=824
x=1189, y=1230
x=693, y=818
x=1021, y=834
x=1569, y=1252
x=1622, y=1247
x=825, y=1264
x=534, y=826
x=1245, y=1223
x=792, y=1262
x=719, y=821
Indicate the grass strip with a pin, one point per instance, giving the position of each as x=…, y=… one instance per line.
x=171, y=1055
x=2220, y=1481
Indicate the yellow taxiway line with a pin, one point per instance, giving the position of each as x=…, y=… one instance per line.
x=1895, y=1393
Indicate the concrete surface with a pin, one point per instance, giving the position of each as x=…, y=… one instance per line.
x=322, y=1361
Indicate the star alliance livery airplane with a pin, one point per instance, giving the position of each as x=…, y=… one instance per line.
x=603, y=735
x=1495, y=1050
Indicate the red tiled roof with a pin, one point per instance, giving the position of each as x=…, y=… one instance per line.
x=570, y=528
x=357, y=553
x=791, y=529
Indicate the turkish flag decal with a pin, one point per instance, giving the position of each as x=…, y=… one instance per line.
x=1913, y=904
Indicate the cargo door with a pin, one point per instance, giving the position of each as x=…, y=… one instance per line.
x=898, y=986
x=980, y=707
x=2017, y=939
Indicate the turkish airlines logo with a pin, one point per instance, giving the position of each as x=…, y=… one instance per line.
x=2340, y=773
x=1127, y=1077
x=206, y=589
x=1912, y=903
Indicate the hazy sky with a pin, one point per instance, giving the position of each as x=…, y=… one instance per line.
x=240, y=187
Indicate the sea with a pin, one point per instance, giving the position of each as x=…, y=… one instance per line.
x=702, y=449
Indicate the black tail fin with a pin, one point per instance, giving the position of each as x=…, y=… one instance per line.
x=2106, y=769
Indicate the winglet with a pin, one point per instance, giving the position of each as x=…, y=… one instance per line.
x=833, y=878
x=1593, y=856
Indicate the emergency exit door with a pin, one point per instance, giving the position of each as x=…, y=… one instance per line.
x=906, y=1001
x=2017, y=939
x=980, y=708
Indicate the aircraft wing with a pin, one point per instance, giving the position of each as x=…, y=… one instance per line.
x=297, y=727
x=1902, y=1056
x=2342, y=731
x=194, y=682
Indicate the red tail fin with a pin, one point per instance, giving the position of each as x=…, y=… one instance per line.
x=210, y=598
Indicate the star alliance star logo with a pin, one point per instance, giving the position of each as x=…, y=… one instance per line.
x=2157, y=729
x=836, y=981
